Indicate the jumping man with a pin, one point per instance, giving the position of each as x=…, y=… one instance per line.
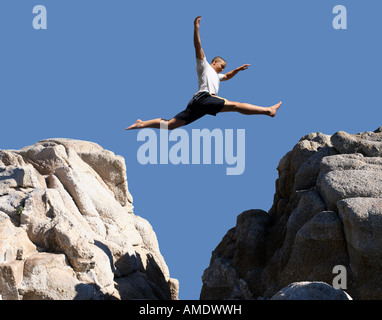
x=206, y=101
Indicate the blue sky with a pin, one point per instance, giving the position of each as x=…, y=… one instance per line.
x=100, y=65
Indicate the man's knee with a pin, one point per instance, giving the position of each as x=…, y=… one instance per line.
x=231, y=106
x=174, y=123
x=236, y=105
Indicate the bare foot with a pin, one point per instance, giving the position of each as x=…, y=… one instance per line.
x=274, y=108
x=136, y=125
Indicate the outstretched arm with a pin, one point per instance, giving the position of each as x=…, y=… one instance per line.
x=197, y=43
x=231, y=74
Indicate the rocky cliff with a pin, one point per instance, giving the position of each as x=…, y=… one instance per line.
x=327, y=211
x=68, y=231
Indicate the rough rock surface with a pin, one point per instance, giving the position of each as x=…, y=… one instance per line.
x=310, y=291
x=67, y=227
x=327, y=211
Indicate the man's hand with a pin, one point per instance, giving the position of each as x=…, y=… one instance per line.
x=197, y=22
x=243, y=67
x=231, y=74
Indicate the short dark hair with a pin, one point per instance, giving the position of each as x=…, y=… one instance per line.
x=218, y=59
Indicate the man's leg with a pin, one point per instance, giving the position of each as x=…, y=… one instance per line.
x=248, y=109
x=156, y=124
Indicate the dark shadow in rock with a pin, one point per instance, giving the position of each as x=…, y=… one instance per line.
x=107, y=251
x=145, y=281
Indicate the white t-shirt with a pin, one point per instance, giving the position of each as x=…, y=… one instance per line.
x=208, y=79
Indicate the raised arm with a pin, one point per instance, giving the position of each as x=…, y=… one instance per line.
x=197, y=43
x=231, y=74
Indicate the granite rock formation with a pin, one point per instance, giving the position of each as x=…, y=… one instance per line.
x=68, y=231
x=327, y=212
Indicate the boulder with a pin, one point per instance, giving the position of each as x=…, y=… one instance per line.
x=310, y=291
x=326, y=213
x=68, y=230
x=362, y=221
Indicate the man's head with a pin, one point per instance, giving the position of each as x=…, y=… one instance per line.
x=218, y=64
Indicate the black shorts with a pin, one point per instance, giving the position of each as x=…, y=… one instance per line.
x=201, y=104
